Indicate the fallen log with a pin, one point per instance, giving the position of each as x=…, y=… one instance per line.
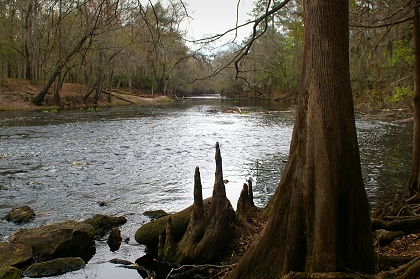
x=117, y=96
x=383, y=237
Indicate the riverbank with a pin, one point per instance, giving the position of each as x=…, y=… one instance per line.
x=17, y=94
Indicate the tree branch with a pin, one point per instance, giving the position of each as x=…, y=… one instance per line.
x=242, y=52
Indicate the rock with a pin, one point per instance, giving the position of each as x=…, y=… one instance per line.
x=20, y=215
x=14, y=254
x=155, y=214
x=10, y=272
x=148, y=234
x=102, y=203
x=54, y=267
x=67, y=239
x=114, y=239
x=104, y=223
x=120, y=261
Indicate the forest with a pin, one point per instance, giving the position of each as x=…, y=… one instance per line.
x=126, y=44
x=331, y=57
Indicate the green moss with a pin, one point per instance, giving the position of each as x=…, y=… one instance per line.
x=148, y=234
x=10, y=272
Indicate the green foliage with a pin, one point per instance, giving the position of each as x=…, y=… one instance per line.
x=147, y=82
x=93, y=109
x=402, y=52
x=401, y=94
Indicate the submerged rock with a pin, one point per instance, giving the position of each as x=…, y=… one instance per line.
x=103, y=223
x=14, y=254
x=114, y=239
x=67, y=239
x=10, y=272
x=155, y=214
x=22, y=214
x=54, y=267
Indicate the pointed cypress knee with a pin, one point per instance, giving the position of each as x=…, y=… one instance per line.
x=169, y=242
x=241, y=207
x=219, y=186
x=161, y=248
x=250, y=193
x=198, y=208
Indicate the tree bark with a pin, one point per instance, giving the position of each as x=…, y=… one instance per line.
x=415, y=166
x=319, y=218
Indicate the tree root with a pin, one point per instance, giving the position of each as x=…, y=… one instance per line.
x=410, y=270
x=198, y=271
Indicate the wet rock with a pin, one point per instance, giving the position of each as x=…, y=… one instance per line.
x=155, y=214
x=55, y=267
x=120, y=261
x=14, y=254
x=20, y=215
x=104, y=223
x=67, y=239
x=102, y=203
x=114, y=239
x=10, y=272
x=148, y=234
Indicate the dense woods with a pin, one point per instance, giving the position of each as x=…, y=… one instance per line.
x=330, y=57
x=130, y=45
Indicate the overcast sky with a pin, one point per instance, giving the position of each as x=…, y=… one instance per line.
x=216, y=16
x=210, y=17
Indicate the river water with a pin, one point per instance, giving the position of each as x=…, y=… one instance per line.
x=138, y=158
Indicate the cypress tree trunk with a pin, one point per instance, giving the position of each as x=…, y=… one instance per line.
x=415, y=166
x=319, y=215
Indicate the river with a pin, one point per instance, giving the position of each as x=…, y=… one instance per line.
x=138, y=158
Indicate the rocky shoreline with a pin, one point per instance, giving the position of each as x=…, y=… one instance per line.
x=57, y=248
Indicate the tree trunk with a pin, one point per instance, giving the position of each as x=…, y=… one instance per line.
x=415, y=166
x=57, y=97
x=319, y=215
x=41, y=95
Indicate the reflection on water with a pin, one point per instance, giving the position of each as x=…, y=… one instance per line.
x=143, y=158
x=385, y=151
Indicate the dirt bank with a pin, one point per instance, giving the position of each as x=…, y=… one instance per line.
x=17, y=94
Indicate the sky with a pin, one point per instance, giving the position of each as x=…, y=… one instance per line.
x=216, y=16
x=210, y=17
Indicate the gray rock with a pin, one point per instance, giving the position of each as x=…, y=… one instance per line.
x=67, y=239
x=21, y=214
x=104, y=223
x=14, y=254
x=54, y=267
